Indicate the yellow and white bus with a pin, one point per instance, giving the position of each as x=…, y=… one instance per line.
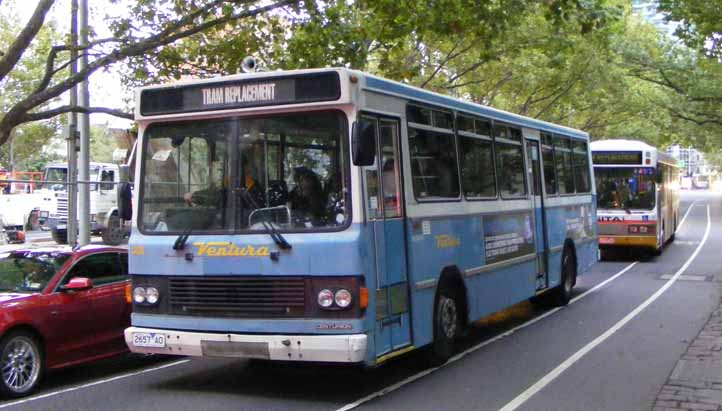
x=637, y=194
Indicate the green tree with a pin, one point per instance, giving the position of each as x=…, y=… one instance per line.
x=700, y=25
x=146, y=27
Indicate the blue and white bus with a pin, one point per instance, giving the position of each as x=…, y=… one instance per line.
x=333, y=216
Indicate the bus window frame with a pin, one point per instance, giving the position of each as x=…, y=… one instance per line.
x=571, y=164
x=430, y=127
x=523, y=159
x=489, y=138
x=550, y=146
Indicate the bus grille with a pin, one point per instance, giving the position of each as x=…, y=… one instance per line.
x=237, y=296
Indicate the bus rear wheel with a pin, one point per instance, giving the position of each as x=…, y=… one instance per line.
x=563, y=293
x=447, y=325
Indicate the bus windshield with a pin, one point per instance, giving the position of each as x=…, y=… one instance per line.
x=227, y=175
x=625, y=188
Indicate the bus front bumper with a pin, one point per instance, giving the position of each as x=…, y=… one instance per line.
x=348, y=348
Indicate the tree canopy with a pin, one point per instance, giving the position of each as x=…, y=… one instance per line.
x=589, y=64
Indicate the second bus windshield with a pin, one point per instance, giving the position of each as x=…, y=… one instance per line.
x=625, y=188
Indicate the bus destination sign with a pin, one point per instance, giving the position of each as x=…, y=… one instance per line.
x=241, y=94
x=617, y=157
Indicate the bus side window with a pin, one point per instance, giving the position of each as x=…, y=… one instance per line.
x=476, y=158
x=562, y=158
x=433, y=164
x=581, y=167
x=550, y=176
x=509, y=161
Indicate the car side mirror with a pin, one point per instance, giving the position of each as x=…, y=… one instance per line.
x=363, y=143
x=78, y=284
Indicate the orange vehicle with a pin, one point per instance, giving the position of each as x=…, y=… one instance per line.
x=32, y=178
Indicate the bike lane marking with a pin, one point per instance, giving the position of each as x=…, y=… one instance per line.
x=556, y=372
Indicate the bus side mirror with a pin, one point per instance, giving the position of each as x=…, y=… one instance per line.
x=125, y=195
x=363, y=143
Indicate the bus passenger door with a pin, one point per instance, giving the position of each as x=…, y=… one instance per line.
x=540, y=221
x=385, y=215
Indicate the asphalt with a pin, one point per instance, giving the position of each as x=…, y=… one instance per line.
x=623, y=372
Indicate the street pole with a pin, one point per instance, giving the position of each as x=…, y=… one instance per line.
x=84, y=166
x=72, y=188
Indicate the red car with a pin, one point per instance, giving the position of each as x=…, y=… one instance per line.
x=59, y=307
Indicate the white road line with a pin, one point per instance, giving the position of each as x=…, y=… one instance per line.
x=556, y=372
x=685, y=216
x=457, y=357
x=91, y=384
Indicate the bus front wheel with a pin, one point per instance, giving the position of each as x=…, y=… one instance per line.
x=447, y=325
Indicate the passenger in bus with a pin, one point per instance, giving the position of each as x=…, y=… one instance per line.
x=307, y=199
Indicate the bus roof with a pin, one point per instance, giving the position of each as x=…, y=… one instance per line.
x=371, y=83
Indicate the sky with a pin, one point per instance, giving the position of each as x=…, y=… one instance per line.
x=105, y=87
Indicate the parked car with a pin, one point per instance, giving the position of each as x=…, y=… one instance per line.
x=59, y=307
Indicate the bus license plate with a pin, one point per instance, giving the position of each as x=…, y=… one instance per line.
x=149, y=340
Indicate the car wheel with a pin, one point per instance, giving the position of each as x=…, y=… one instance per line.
x=447, y=324
x=21, y=362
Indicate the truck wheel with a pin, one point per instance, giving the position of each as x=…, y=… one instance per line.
x=60, y=237
x=113, y=235
x=21, y=364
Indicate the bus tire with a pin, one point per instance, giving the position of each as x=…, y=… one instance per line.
x=563, y=293
x=674, y=233
x=447, y=325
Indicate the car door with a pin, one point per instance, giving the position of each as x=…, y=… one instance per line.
x=110, y=310
x=69, y=329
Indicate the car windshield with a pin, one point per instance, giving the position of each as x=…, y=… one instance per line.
x=28, y=272
x=625, y=188
x=245, y=174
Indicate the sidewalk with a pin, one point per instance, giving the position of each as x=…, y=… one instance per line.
x=696, y=381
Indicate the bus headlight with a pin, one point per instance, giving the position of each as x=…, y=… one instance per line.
x=343, y=298
x=146, y=295
x=325, y=298
x=139, y=295
x=151, y=295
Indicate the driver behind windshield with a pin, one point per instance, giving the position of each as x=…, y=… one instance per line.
x=307, y=199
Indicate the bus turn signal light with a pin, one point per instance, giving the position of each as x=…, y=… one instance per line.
x=128, y=294
x=363, y=299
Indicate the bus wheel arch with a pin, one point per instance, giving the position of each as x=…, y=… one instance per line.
x=450, y=315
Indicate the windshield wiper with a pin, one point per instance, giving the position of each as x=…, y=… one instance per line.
x=180, y=242
x=272, y=231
